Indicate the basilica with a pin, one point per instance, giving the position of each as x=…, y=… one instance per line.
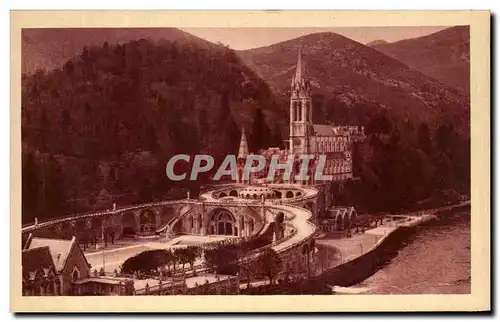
x=306, y=138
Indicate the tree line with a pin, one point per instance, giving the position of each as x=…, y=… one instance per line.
x=103, y=127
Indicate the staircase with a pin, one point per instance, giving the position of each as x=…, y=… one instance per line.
x=172, y=222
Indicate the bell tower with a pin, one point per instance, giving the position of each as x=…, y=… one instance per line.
x=300, y=110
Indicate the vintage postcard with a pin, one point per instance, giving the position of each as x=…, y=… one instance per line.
x=238, y=161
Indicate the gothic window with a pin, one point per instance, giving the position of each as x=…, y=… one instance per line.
x=76, y=274
x=299, y=111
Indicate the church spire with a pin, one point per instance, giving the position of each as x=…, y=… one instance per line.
x=243, y=151
x=300, y=72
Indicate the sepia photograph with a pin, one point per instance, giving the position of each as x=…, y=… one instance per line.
x=248, y=161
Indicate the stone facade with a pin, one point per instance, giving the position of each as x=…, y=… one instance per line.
x=306, y=138
x=69, y=263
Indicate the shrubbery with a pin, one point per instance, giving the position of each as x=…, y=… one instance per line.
x=164, y=261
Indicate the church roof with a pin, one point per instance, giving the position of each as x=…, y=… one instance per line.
x=59, y=249
x=323, y=130
x=36, y=259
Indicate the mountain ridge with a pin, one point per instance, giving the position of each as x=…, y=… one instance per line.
x=49, y=49
x=443, y=55
x=345, y=70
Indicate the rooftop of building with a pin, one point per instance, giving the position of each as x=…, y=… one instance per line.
x=36, y=260
x=59, y=248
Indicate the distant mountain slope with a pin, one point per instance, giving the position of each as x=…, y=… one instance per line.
x=444, y=55
x=51, y=48
x=352, y=81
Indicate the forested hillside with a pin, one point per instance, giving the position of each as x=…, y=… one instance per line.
x=103, y=127
x=444, y=55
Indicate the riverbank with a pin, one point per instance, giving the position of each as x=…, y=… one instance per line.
x=434, y=259
x=391, y=235
x=361, y=255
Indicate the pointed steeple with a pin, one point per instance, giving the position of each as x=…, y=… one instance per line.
x=243, y=151
x=300, y=72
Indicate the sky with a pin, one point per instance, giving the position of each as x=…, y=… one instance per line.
x=246, y=38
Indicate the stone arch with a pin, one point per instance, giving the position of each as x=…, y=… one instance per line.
x=278, y=194
x=289, y=194
x=346, y=220
x=233, y=193
x=128, y=223
x=179, y=292
x=223, y=222
x=255, y=196
x=222, y=195
x=147, y=221
x=166, y=293
x=338, y=221
x=298, y=194
x=353, y=216
x=248, y=196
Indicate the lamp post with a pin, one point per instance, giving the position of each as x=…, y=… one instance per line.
x=102, y=235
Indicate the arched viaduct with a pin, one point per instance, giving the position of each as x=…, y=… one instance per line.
x=227, y=210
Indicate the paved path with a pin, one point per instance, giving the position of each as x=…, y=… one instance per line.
x=113, y=258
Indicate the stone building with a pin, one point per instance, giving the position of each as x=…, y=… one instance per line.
x=337, y=219
x=68, y=262
x=103, y=285
x=39, y=273
x=305, y=138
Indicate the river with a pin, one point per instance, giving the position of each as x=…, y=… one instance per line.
x=435, y=259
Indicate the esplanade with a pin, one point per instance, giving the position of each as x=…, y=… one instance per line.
x=289, y=220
